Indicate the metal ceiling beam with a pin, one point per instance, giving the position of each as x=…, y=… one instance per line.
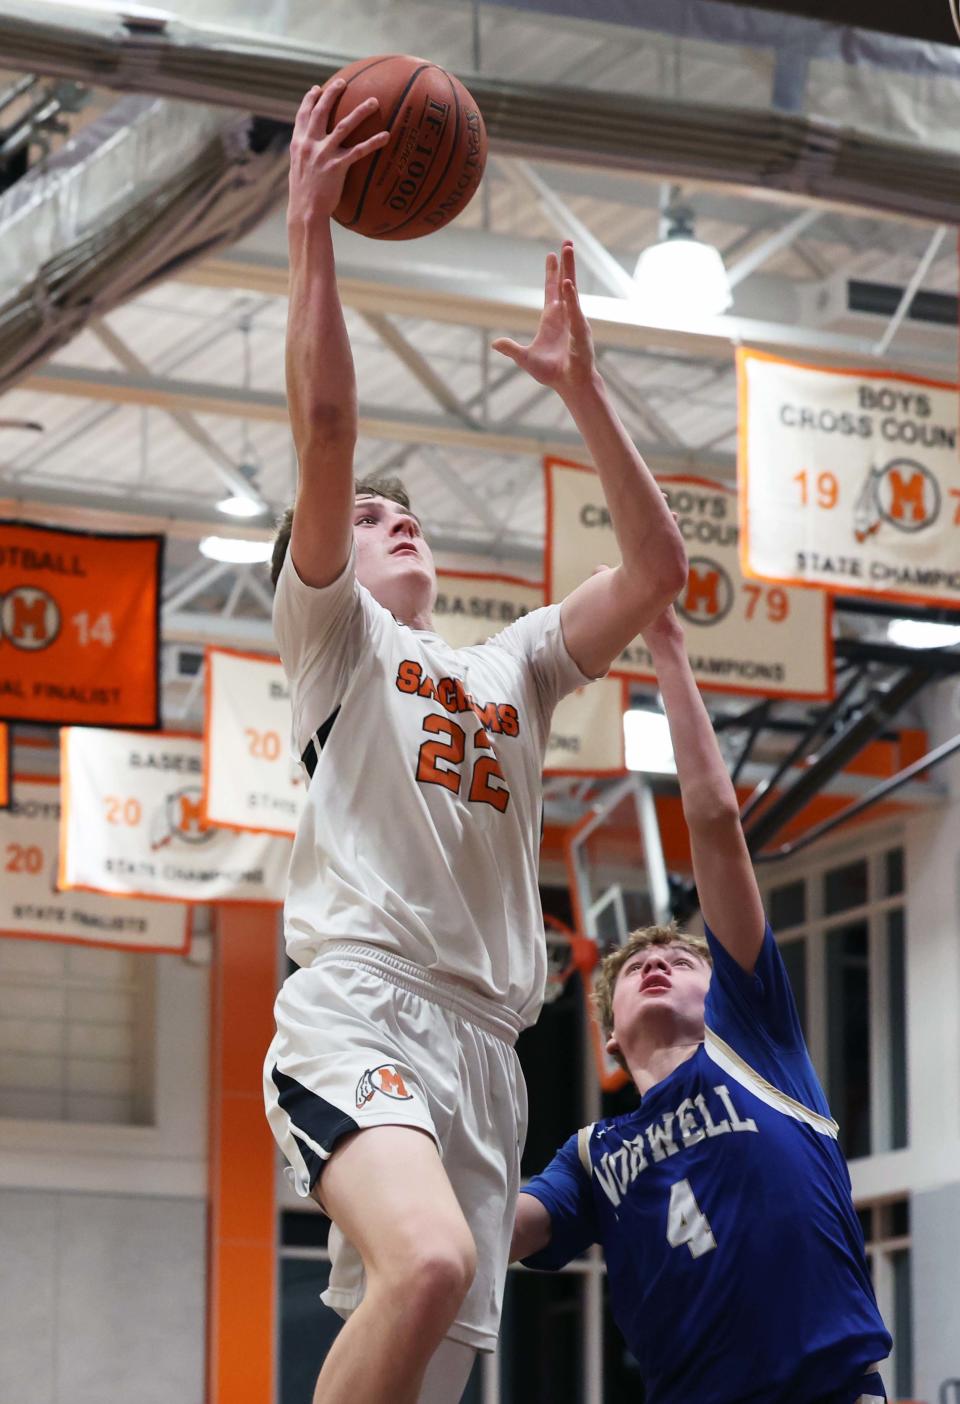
x=221, y=462
x=418, y=366
x=775, y=244
x=493, y=301
x=160, y=392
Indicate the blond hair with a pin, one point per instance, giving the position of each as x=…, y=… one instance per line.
x=642, y=939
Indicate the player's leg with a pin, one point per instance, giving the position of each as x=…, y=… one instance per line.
x=447, y=1373
x=388, y=1193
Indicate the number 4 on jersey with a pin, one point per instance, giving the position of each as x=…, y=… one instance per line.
x=687, y=1223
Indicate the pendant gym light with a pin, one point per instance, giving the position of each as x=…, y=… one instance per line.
x=679, y=277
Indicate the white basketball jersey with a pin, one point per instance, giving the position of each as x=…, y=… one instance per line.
x=421, y=830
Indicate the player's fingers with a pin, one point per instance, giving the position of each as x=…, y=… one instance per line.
x=571, y=304
x=512, y=349
x=364, y=148
x=354, y=119
x=320, y=116
x=304, y=112
x=551, y=288
x=568, y=263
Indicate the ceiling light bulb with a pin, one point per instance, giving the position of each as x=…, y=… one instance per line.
x=680, y=277
x=235, y=551
x=238, y=506
x=647, y=740
x=922, y=633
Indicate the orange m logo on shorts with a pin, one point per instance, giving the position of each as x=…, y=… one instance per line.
x=386, y=1079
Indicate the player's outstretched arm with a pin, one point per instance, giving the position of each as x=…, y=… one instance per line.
x=729, y=896
x=532, y=1228
x=321, y=386
x=604, y=614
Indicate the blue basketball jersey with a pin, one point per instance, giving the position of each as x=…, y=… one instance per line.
x=735, y=1259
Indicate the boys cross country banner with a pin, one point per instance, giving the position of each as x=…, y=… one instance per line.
x=586, y=736
x=79, y=626
x=470, y=608
x=250, y=781
x=849, y=480
x=133, y=824
x=741, y=636
x=31, y=907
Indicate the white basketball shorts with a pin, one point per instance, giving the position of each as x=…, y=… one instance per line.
x=365, y=1038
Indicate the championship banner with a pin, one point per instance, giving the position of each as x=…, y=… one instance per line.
x=79, y=626
x=133, y=824
x=741, y=636
x=849, y=480
x=5, y=767
x=470, y=608
x=31, y=908
x=250, y=781
x=586, y=737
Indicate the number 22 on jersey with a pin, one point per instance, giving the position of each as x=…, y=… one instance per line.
x=440, y=761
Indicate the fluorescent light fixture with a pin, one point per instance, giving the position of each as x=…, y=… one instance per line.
x=648, y=745
x=235, y=551
x=922, y=633
x=680, y=277
x=238, y=506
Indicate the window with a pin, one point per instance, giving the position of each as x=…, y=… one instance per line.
x=841, y=929
x=76, y=1033
x=886, y=1230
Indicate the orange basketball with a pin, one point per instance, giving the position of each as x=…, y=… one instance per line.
x=430, y=168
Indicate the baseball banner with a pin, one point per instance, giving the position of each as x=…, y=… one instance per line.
x=586, y=737
x=31, y=907
x=741, y=636
x=250, y=780
x=133, y=824
x=849, y=480
x=79, y=626
x=5, y=755
x=470, y=608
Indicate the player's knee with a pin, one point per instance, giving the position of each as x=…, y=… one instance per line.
x=437, y=1272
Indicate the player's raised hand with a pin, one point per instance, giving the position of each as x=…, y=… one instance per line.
x=319, y=161
x=561, y=353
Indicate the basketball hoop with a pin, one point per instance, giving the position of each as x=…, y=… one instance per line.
x=566, y=953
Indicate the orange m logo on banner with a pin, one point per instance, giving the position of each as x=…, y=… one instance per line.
x=191, y=815
x=30, y=618
x=906, y=495
x=703, y=588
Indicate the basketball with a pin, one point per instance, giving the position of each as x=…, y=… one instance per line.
x=430, y=169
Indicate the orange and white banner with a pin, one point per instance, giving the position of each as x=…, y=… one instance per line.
x=250, y=781
x=586, y=737
x=32, y=908
x=741, y=636
x=79, y=626
x=133, y=824
x=5, y=765
x=849, y=480
x=471, y=608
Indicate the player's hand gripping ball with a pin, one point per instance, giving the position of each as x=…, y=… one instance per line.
x=430, y=168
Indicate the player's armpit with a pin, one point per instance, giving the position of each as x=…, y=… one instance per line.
x=532, y=1228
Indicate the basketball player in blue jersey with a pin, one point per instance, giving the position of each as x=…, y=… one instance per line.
x=412, y=909
x=735, y=1259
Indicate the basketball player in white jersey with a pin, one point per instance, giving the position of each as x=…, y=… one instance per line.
x=413, y=911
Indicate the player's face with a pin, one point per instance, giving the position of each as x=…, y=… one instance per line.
x=394, y=561
x=660, y=992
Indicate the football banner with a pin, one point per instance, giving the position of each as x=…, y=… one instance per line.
x=470, y=608
x=31, y=908
x=586, y=737
x=849, y=480
x=133, y=824
x=5, y=760
x=79, y=626
x=250, y=780
x=741, y=636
